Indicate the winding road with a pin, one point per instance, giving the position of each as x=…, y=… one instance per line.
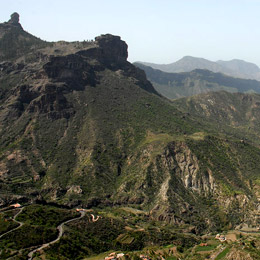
x=61, y=231
x=14, y=219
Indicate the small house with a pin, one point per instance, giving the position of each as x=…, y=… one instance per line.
x=16, y=205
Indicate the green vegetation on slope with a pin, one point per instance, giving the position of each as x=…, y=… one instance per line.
x=84, y=237
x=45, y=216
x=40, y=223
x=6, y=222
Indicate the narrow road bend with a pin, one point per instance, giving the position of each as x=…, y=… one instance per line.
x=14, y=219
x=61, y=231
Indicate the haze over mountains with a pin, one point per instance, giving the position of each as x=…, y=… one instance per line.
x=185, y=84
x=235, y=68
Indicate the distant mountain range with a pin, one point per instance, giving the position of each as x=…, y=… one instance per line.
x=177, y=85
x=235, y=68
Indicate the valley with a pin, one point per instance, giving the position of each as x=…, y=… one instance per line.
x=119, y=230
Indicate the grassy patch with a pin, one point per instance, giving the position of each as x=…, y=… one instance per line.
x=169, y=246
x=223, y=253
x=151, y=137
x=198, y=136
x=98, y=257
x=205, y=248
x=125, y=239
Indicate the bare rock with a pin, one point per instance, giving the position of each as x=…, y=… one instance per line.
x=14, y=18
x=75, y=189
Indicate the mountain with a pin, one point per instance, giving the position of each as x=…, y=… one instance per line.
x=233, y=114
x=187, y=63
x=249, y=70
x=233, y=68
x=177, y=85
x=80, y=127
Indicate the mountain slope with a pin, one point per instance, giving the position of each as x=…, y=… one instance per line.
x=80, y=125
x=176, y=85
x=233, y=68
x=236, y=114
x=249, y=70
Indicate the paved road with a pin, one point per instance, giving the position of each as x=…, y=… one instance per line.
x=61, y=230
x=14, y=218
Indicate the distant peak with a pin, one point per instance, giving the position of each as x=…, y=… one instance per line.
x=193, y=58
x=15, y=17
x=188, y=57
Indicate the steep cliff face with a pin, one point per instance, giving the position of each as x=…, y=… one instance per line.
x=113, y=50
x=174, y=184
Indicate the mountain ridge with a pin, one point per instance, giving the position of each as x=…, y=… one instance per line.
x=177, y=85
x=235, y=68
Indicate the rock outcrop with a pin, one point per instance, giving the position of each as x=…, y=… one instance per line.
x=114, y=50
x=14, y=20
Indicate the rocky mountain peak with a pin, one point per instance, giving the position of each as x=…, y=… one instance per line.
x=113, y=47
x=14, y=18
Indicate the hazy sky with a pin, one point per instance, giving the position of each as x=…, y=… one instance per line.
x=155, y=31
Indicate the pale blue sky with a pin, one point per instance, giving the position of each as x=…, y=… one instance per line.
x=155, y=31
